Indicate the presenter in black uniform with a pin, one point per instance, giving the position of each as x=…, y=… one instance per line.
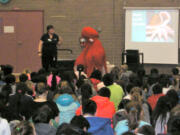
x=48, y=48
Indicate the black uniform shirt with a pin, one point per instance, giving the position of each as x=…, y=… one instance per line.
x=49, y=45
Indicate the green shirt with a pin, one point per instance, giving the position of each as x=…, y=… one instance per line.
x=117, y=94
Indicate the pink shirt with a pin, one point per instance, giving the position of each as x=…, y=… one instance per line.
x=58, y=79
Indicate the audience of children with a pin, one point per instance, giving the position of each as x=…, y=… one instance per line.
x=121, y=102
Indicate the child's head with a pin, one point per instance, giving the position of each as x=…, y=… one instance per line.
x=24, y=128
x=68, y=129
x=157, y=89
x=10, y=79
x=108, y=79
x=146, y=130
x=134, y=111
x=86, y=91
x=7, y=69
x=80, y=122
x=89, y=107
x=43, y=115
x=41, y=89
x=104, y=92
x=23, y=78
x=96, y=74
x=175, y=71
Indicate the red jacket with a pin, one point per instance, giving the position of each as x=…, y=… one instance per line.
x=105, y=108
x=152, y=100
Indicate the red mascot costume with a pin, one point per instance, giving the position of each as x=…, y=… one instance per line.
x=93, y=55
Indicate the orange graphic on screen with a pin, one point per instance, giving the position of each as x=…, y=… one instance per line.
x=159, y=27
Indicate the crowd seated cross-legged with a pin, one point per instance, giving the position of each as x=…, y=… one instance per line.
x=121, y=102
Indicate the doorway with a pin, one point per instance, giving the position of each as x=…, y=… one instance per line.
x=20, y=32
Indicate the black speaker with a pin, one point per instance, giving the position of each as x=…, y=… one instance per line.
x=132, y=59
x=65, y=65
x=132, y=56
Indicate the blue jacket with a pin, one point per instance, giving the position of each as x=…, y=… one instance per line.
x=67, y=107
x=100, y=126
x=122, y=126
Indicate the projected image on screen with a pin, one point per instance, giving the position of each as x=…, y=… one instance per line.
x=152, y=26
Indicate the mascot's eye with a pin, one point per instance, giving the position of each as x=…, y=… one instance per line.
x=91, y=40
x=82, y=40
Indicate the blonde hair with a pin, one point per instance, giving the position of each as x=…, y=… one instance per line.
x=30, y=85
x=136, y=97
x=134, y=110
x=135, y=89
x=175, y=111
x=26, y=71
x=63, y=84
x=124, y=68
x=136, y=94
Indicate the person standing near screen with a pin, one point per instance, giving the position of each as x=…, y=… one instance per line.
x=48, y=48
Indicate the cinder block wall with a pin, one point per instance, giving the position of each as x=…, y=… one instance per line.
x=70, y=16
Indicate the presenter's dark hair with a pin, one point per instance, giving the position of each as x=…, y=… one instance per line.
x=50, y=27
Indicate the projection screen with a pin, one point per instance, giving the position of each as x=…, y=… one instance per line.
x=154, y=33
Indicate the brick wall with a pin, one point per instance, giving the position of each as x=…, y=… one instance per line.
x=70, y=16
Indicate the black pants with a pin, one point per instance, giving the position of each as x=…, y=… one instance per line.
x=49, y=61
